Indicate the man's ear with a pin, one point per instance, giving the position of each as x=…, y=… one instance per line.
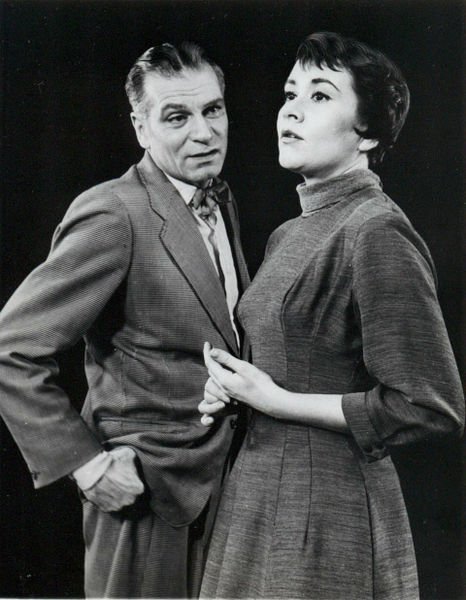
x=139, y=128
x=365, y=145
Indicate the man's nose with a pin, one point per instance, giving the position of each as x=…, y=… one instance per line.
x=200, y=129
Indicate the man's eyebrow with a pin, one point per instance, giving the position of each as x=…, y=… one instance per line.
x=174, y=106
x=184, y=107
x=218, y=100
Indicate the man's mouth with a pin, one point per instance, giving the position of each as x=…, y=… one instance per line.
x=205, y=154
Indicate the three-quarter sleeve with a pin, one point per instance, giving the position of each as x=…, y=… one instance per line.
x=406, y=348
x=50, y=311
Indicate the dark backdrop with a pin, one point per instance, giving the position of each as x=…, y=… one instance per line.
x=65, y=127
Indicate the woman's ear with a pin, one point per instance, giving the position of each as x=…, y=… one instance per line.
x=365, y=145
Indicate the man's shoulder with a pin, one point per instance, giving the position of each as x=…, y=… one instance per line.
x=120, y=199
x=125, y=185
x=126, y=193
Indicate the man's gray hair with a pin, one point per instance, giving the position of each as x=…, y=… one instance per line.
x=168, y=61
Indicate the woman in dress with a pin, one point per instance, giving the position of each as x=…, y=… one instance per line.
x=350, y=355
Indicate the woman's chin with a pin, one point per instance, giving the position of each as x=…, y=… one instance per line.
x=288, y=164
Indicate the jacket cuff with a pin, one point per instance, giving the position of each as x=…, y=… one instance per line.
x=64, y=465
x=364, y=433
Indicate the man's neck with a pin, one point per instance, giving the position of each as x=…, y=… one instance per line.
x=186, y=190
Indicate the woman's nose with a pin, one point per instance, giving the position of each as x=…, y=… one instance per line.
x=293, y=110
x=294, y=114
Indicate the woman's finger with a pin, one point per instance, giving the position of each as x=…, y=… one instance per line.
x=213, y=368
x=208, y=360
x=211, y=399
x=211, y=408
x=206, y=349
x=215, y=391
x=207, y=420
x=227, y=360
x=219, y=374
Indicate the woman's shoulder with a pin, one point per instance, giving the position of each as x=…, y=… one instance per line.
x=376, y=210
x=377, y=219
x=376, y=204
x=379, y=223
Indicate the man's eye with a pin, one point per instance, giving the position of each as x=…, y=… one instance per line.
x=176, y=119
x=319, y=97
x=214, y=111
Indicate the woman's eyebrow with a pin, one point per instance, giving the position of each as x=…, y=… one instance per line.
x=322, y=80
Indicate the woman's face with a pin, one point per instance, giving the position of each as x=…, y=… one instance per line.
x=316, y=124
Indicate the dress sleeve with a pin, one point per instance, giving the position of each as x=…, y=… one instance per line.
x=50, y=311
x=405, y=343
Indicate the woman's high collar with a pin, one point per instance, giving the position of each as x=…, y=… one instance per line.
x=321, y=194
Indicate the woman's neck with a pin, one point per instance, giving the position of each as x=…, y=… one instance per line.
x=361, y=162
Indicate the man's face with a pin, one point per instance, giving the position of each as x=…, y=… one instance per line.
x=185, y=128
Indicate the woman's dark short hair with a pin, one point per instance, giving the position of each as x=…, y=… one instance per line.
x=168, y=61
x=383, y=95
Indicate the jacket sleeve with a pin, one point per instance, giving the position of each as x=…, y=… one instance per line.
x=50, y=311
x=406, y=349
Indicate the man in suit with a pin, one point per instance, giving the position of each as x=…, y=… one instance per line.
x=146, y=268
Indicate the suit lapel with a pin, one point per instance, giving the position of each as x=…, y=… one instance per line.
x=232, y=226
x=230, y=216
x=183, y=242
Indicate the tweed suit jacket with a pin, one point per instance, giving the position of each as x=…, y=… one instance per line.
x=129, y=272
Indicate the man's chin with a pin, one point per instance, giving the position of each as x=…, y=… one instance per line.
x=203, y=175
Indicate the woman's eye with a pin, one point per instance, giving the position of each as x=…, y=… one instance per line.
x=319, y=97
x=289, y=96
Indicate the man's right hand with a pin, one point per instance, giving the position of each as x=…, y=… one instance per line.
x=120, y=485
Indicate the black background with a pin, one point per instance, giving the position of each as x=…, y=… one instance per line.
x=65, y=127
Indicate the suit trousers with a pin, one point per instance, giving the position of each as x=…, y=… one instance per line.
x=133, y=553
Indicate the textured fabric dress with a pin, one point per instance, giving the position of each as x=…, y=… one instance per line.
x=345, y=302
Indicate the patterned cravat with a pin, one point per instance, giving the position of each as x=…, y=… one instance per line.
x=206, y=199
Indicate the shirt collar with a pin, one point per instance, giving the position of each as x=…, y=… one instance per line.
x=186, y=190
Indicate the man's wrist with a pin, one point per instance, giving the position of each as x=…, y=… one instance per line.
x=89, y=474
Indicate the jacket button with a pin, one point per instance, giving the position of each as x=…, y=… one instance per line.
x=233, y=423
